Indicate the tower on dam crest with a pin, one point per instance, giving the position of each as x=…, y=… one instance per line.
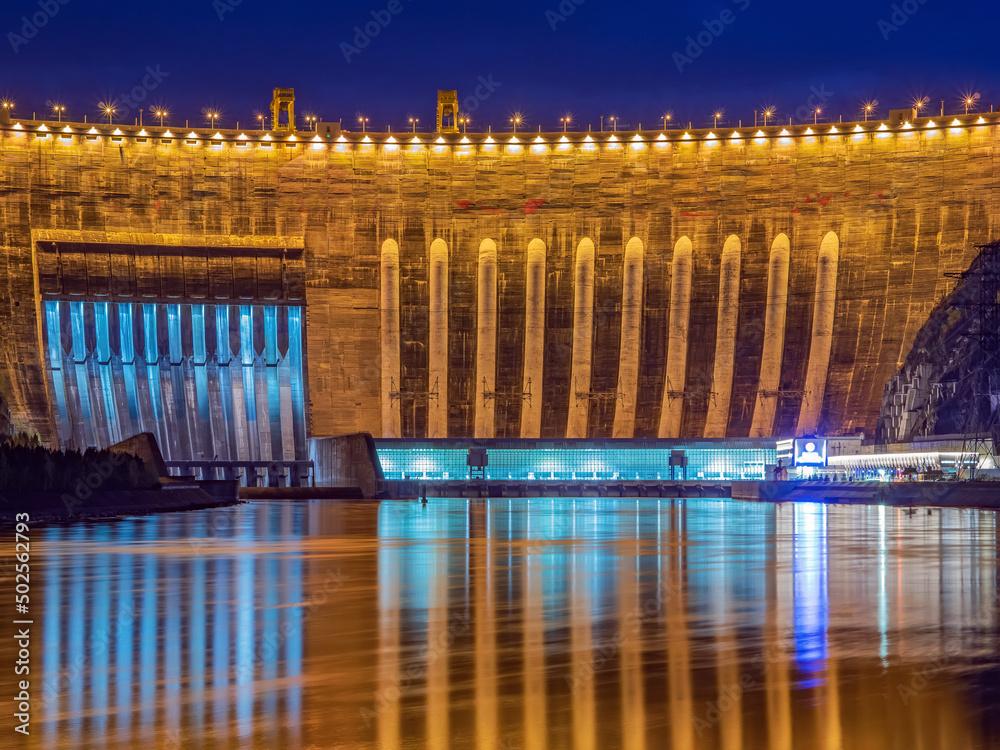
x=238, y=291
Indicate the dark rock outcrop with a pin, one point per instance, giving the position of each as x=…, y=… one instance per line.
x=935, y=392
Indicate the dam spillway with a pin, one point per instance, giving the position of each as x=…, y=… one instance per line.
x=757, y=282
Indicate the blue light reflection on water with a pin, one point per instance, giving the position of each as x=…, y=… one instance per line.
x=135, y=610
x=565, y=618
x=811, y=593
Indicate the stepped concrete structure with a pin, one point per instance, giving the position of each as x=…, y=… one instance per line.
x=234, y=292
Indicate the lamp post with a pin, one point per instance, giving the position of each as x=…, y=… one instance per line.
x=364, y=123
x=666, y=119
x=463, y=121
x=614, y=124
x=718, y=116
x=57, y=110
x=260, y=119
x=565, y=121
x=413, y=124
x=110, y=112
x=160, y=114
x=767, y=114
x=515, y=120
x=816, y=115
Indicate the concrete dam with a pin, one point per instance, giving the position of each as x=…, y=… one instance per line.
x=236, y=292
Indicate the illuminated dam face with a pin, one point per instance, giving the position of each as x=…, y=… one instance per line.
x=237, y=294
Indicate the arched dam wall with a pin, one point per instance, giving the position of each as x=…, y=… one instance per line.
x=641, y=285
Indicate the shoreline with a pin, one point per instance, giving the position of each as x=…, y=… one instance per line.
x=59, y=507
x=981, y=495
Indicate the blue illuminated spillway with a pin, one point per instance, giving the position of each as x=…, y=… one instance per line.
x=569, y=460
x=220, y=382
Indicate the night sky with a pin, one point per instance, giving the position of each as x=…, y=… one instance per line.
x=588, y=57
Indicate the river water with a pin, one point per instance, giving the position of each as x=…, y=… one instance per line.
x=518, y=624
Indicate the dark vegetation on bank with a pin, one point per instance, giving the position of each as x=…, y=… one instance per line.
x=25, y=469
x=57, y=486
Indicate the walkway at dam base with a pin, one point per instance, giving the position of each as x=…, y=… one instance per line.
x=732, y=468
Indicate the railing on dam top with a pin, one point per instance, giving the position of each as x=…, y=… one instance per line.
x=87, y=133
x=248, y=473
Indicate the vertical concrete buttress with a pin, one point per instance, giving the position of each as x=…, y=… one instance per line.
x=717, y=422
x=437, y=371
x=766, y=404
x=534, y=340
x=822, y=335
x=628, y=363
x=486, y=340
x=583, y=339
x=389, y=314
x=672, y=409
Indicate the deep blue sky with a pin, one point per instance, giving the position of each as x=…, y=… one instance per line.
x=605, y=58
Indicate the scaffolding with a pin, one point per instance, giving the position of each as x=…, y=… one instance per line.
x=506, y=397
x=699, y=394
x=395, y=395
x=602, y=397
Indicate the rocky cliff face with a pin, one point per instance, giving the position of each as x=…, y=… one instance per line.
x=935, y=392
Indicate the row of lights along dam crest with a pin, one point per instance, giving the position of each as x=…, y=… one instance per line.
x=452, y=129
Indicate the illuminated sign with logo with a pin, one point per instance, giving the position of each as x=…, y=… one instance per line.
x=810, y=452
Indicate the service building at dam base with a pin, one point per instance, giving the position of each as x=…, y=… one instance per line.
x=585, y=304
